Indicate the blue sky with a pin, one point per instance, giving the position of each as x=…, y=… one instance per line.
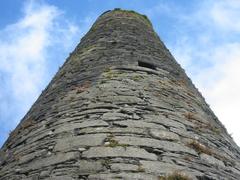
x=37, y=36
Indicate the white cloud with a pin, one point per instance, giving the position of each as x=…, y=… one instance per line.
x=216, y=46
x=225, y=13
x=25, y=56
x=221, y=86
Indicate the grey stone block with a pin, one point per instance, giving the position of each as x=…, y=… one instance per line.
x=87, y=167
x=84, y=124
x=153, y=143
x=75, y=142
x=115, y=116
x=160, y=168
x=125, y=176
x=51, y=160
x=98, y=152
x=123, y=167
x=211, y=160
x=139, y=124
x=164, y=135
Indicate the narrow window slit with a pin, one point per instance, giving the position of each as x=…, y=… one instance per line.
x=147, y=65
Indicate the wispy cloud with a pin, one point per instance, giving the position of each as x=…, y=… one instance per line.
x=210, y=52
x=225, y=14
x=25, y=55
x=221, y=86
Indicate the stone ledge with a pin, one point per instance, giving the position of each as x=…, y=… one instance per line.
x=100, y=152
x=75, y=142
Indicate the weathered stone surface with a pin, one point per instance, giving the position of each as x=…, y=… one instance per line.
x=60, y=178
x=72, y=143
x=91, y=123
x=125, y=130
x=164, y=121
x=124, y=167
x=29, y=157
x=153, y=143
x=87, y=167
x=122, y=99
x=184, y=133
x=164, y=135
x=52, y=160
x=211, y=160
x=160, y=168
x=139, y=124
x=97, y=152
x=115, y=116
x=2, y=157
x=120, y=107
x=127, y=176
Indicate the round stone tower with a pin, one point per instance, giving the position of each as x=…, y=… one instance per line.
x=120, y=107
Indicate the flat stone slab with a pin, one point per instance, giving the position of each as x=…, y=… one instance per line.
x=57, y=178
x=211, y=160
x=126, y=130
x=125, y=176
x=164, y=121
x=84, y=124
x=51, y=160
x=77, y=141
x=154, y=143
x=114, y=116
x=98, y=152
x=124, y=167
x=93, y=123
x=86, y=167
x=93, y=111
x=29, y=157
x=183, y=133
x=139, y=124
x=164, y=135
x=160, y=168
x=122, y=99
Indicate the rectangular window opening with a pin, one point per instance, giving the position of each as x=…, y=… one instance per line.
x=147, y=65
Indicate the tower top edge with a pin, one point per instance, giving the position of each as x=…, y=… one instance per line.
x=130, y=13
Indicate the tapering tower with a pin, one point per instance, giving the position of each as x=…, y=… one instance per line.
x=120, y=107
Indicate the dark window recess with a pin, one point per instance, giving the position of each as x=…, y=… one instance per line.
x=147, y=65
x=113, y=42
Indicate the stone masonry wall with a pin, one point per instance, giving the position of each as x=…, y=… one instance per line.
x=120, y=107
